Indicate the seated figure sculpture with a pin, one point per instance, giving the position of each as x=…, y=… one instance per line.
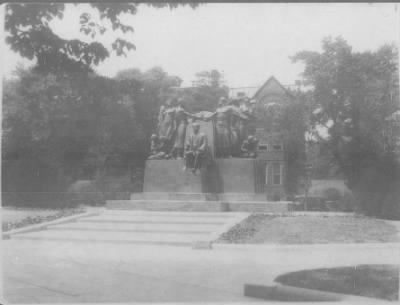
x=196, y=149
x=249, y=147
x=158, y=148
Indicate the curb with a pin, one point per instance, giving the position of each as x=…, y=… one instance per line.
x=319, y=214
x=285, y=293
x=307, y=214
x=43, y=225
x=209, y=242
x=327, y=246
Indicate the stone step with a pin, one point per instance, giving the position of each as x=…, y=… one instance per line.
x=277, y=207
x=174, y=196
x=142, y=227
x=112, y=237
x=149, y=219
x=233, y=197
x=226, y=197
x=201, y=206
x=173, y=213
x=166, y=205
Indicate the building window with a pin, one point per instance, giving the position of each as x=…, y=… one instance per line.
x=277, y=173
x=263, y=147
x=266, y=174
x=277, y=147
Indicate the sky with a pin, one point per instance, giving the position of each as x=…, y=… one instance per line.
x=247, y=42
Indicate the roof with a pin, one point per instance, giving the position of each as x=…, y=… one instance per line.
x=247, y=91
x=269, y=82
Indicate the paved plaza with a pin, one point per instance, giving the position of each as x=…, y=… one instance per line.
x=45, y=269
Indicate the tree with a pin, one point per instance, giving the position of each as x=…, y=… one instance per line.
x=207, y=91
x=29, y=33
x=156, y=87
x=292, y=125
x=354, y=93
x=211, y=78
x=61, y=129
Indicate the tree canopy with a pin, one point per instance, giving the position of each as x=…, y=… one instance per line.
x=29, y=33
x=207, y=90
x=353, y=95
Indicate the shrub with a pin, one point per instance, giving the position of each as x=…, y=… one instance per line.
x=345, y=203
x=84, y=192
x=331, y=194
x=391, y=206
x=115, y=188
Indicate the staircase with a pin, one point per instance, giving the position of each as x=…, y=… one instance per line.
x=194, y=229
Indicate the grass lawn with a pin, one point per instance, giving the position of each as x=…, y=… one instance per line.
x=14, y=218
x=375, y=281
x=265, y=229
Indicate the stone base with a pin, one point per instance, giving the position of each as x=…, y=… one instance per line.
x=169, y=176
x=219, y=176
x=237, y=175
x=225, y=197
x=175, y=196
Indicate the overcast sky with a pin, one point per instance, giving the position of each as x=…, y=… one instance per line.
x=249, y=42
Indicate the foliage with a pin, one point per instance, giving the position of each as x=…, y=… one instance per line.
x=156, y=87
x=84, y=193
x=211, y=78
x=63, y=127
x=354, y=93
x=207, y=91
x=29, y=33
x=287, y=120
x=292, y=125
x=324, y=164
x=331, y=193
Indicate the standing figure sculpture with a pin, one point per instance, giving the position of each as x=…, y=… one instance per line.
x=236, y=128
x=222, y=120
x=181, y=122
x=246, y=121
x=196, y=149
x=166, y=122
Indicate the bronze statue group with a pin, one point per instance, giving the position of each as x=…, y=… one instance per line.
x=233, y=128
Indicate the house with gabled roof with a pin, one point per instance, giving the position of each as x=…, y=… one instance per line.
x=271, y=163
x=272, y=91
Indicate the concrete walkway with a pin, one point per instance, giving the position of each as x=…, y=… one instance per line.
x=140, y=227
x=68, y=271
x=107, y=258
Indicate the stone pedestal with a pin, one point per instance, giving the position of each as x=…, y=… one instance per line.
x=168, y=176
x=220, y=176
x=236, y=175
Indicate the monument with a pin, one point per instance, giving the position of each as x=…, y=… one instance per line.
x=230, y=158
x=241, y=157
